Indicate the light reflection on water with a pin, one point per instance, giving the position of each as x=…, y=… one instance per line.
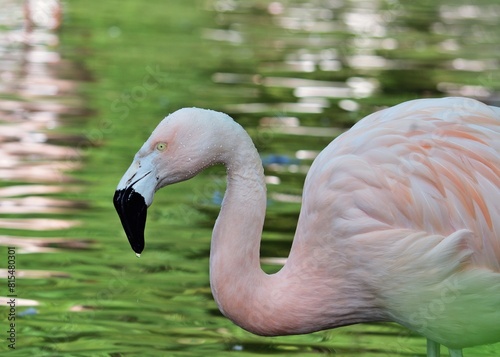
x=33, y=101
x=43, y=245
x=376, y=39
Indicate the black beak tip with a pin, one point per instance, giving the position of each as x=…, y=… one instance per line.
x=132, y=210
x=137, y=248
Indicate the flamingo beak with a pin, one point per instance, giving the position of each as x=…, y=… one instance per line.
x=132, y=198
x=132, y=211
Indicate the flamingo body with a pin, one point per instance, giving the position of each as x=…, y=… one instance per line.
x=420, y=183
x=400, y=221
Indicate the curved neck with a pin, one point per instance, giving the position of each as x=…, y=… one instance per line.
x=304, y=296
x=235, y=269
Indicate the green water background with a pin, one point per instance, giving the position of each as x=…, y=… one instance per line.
x=294, y=73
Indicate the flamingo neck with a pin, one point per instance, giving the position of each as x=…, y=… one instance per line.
x=304, y=296
x=235, y=270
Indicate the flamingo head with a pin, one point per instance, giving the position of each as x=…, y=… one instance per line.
x=183, y=144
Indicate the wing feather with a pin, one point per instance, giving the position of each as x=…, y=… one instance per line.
x=427, y=165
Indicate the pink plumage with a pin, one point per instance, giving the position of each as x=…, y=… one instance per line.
x=399, y=222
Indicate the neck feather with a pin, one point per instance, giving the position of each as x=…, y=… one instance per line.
x=235, y=249
x=303, y=296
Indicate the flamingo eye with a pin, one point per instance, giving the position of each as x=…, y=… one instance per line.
x=161, y=146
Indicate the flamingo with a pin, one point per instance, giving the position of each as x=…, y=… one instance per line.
x=400, y=221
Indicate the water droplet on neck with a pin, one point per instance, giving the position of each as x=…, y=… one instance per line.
x=138, y=255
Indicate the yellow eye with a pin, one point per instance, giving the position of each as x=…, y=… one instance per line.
x=161, y=146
